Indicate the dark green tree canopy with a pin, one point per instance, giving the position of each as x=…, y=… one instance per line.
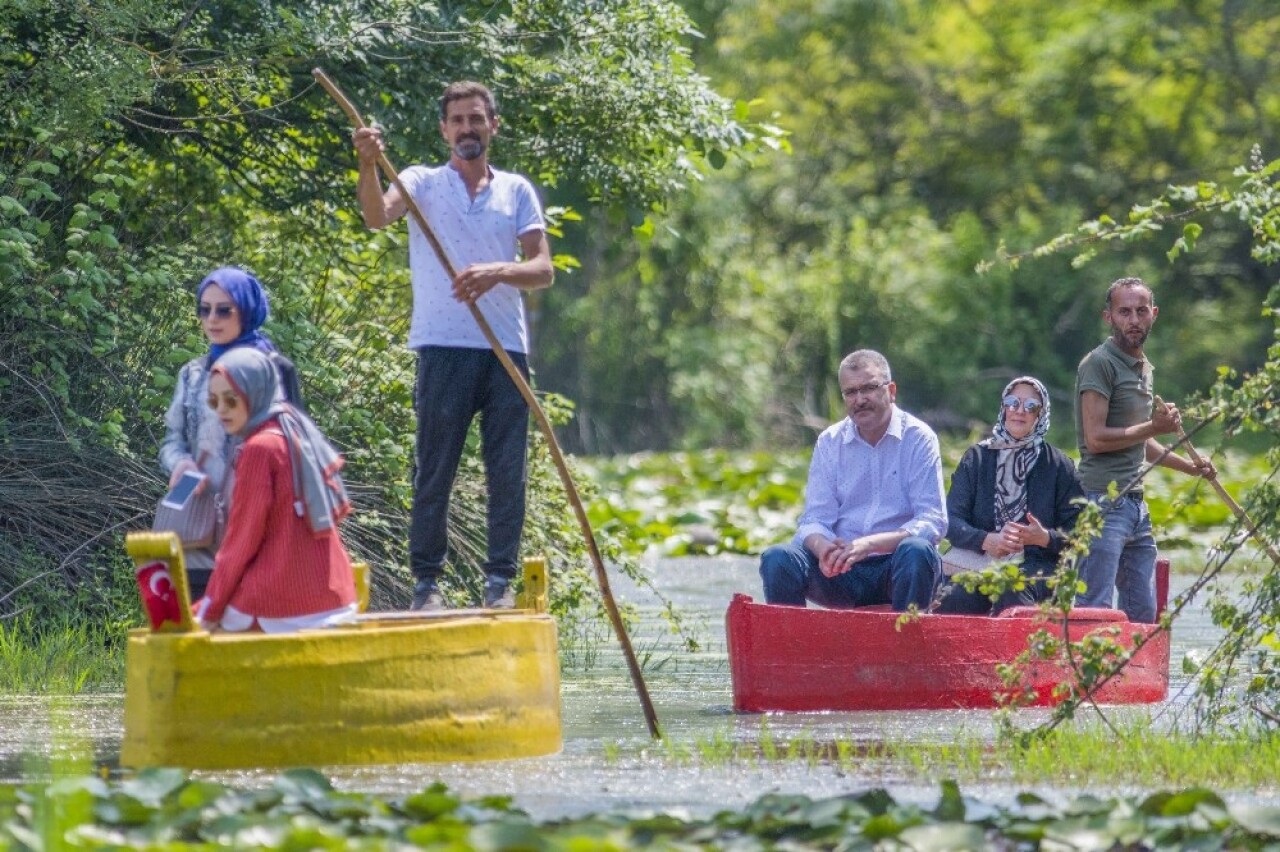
x=926, y=138
x=599, y=97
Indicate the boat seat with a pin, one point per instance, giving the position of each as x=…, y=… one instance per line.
x=1080, y=613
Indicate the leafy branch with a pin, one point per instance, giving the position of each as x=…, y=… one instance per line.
x=1242, y=673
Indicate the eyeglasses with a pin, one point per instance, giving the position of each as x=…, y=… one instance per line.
x=862, y=390
x=1012, y=403
x=220, y=311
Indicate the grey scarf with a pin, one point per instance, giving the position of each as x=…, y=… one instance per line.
x=319, y=493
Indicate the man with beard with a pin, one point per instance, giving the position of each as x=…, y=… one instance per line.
x=490, y=225
x=874, y=508
x=1117, y=420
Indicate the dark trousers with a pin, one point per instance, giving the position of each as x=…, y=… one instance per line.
x=454, y=384
x=906, y=576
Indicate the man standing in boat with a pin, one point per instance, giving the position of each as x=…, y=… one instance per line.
x=490, y=224
x=1117, y=420
x=874, y=505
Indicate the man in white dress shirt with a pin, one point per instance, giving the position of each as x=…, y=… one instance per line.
x=874, y=510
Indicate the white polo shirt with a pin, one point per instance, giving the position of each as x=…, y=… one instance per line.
x=482, y=230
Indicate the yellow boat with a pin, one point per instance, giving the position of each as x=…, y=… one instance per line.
x=389, y=688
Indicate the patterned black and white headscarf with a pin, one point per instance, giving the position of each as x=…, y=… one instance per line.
x=1015, y=458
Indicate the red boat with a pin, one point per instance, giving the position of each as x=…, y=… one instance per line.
x=786, y=658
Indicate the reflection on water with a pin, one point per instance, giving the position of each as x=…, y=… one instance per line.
x=608, y=761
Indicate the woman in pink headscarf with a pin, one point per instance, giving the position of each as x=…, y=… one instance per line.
x=282, y=565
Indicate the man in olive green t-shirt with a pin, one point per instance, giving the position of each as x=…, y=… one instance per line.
x=1117, y=419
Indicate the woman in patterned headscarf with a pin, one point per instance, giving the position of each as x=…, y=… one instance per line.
x=232, y=306
x=1011, y=500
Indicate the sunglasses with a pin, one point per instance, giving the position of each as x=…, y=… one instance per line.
x=1012, y=403
x=220, y=311
x=230, y=402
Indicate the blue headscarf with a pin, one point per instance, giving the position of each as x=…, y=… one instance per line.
x=251, y=304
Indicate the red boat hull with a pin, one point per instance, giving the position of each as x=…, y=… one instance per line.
x=797, y=659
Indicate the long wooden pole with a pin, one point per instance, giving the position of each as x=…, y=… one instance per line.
x=1230, y=501
x=557, y=456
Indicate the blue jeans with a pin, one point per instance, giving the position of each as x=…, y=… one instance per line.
x=455, y=384
x=906, y=576
x=1122, y=560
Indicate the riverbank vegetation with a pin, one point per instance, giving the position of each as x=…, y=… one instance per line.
x=68, y=658
x=300, y=809
x=146, y=142
x=1132, y=750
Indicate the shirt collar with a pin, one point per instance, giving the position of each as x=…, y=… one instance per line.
x=897, y=425
x=1132, y=361
x=456, y=176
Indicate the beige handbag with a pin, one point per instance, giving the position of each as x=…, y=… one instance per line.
x=958, y=559
x=196, y=524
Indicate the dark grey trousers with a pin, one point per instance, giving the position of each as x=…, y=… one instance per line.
x=453, y=385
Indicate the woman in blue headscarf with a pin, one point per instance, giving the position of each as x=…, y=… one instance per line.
x=232, y=306
x=1011, y=499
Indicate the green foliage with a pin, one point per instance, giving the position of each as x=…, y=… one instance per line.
x=994, y=580
x=698, y=503
x=144, y=142
x=164, y=809
x=598, y=97
x=66, y=657
x=76, y=350
x=1134, y=751
x=923, y=137
x=1240, y=679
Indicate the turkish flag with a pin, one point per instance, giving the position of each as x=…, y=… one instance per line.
x=159, y=597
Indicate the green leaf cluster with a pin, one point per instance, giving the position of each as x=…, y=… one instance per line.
x=925, y=139
x=711, y=502
x=164, y=809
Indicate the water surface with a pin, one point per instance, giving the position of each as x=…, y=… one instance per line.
x=609, y=761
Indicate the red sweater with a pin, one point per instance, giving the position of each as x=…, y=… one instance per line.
x=270, y=563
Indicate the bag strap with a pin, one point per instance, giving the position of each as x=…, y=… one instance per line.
x=298, y=506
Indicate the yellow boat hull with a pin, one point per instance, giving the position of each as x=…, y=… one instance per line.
x=395, y=688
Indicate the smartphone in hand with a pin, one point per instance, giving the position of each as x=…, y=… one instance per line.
x=180, y=495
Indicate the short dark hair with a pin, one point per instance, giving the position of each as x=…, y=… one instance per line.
x=1121, y=283
x=464, y=89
